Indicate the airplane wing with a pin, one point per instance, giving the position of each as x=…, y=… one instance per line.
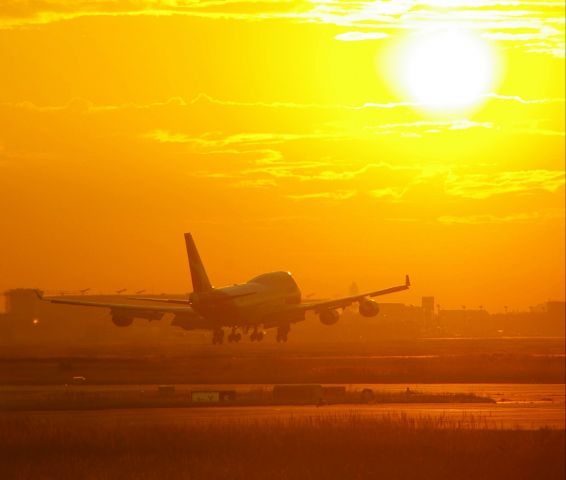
x=181, y=301
x=347, y=301
x=162, y=300
x=141, y=311
x=344, y=302
x=295, y=313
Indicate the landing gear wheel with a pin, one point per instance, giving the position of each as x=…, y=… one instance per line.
x=256, y=336
x=282, y=333
x=234, y=336
x=217, y=336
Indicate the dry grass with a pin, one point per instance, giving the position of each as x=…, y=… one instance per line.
x=346, y=447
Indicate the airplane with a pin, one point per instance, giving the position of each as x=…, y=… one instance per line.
x=122, y=290
x=270, y=300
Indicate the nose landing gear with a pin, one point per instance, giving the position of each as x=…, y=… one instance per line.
x=217, y=336
x=234, y=336
x=256, y=336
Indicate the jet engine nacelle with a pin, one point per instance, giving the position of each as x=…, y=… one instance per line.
x=368, y=308
x=121, y=321
x=328, y=317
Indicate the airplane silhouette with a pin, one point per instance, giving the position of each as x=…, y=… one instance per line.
x=270, y=300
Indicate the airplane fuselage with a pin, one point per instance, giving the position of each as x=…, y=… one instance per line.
x=248, y=303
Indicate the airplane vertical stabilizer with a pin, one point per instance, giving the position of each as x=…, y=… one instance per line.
x=200, y=280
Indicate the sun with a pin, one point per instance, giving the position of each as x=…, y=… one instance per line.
x=446, y=70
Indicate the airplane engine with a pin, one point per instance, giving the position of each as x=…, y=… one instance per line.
x=368, y=308
x=328, y=317
x=122, y=321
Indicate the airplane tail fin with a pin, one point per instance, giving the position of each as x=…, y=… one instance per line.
x=200, y=280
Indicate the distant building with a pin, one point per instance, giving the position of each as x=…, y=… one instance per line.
x=354, y=289
x=427, y=306
x=21, y=303
x=556, y=309
x=466, y=322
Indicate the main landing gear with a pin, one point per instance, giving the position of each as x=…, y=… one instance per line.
x=256, y=336
x=282, y=333
x=234, y=336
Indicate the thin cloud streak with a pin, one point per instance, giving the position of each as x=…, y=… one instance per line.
x=87, y=106
x=482, y=186
x=502, y=21
x=334, y=195
x=360, y=36
x=494, y=219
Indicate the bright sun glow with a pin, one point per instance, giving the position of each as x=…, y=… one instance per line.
x=447, y=70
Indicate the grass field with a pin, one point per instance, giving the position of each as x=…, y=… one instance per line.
x=343, y=447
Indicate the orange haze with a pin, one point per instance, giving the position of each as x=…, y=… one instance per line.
x=279, y=134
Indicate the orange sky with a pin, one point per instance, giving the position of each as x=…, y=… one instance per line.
x=283, y=135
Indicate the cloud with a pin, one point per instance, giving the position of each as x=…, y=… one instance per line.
x=14, y=13
x=522, y=36
x=256, y=183
x=394, y=193
x=306, y=152
x=217, y=140
x=204, y=100
x=487, y=219
x=481, y=186
x=359, y=36
x=163, y=136
x=524, y=101
x=426, y=127
x=291, y=169
x=516, y=21
x=333, y=195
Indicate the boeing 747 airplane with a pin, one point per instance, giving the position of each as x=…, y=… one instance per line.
x=271, y=300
